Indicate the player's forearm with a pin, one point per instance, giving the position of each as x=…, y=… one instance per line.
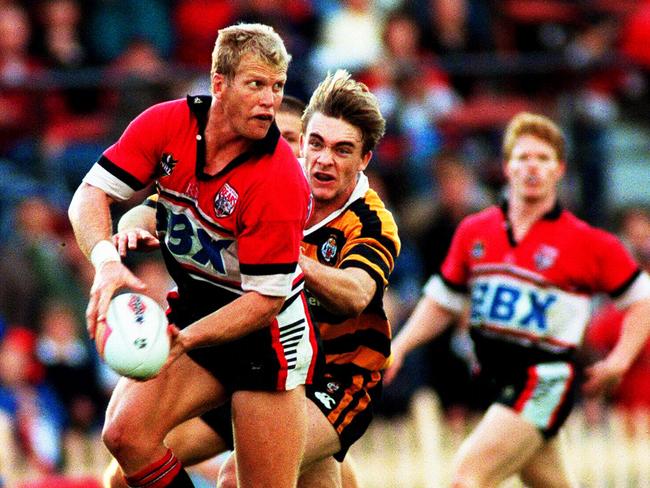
x=634, y=334
x=427, y=321
x=245, y=315
x=89, y=214
x=341, y=291
x=138, y=217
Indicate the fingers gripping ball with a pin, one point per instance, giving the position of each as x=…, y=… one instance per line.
x=135, y=340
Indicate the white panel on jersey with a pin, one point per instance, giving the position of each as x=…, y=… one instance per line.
x=278, y=285
x=518, y=306
x=638, y=290
x=295, y=341
x=440, y=293
x=113, y=186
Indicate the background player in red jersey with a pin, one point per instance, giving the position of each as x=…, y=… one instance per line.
x=527, y=270
x=349, y=249
x=230, y=240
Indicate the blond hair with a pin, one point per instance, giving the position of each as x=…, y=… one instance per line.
x=234, y=42
x=526, y=123
x=340, y=97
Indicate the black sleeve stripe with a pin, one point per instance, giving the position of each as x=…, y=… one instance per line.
x=149, y=202
x=453, y=286
x=267, y=269
x=625, y=286
x=371, y=225
x=379, y=281
x=350, y=342
x=120, y=174
x=370, y=254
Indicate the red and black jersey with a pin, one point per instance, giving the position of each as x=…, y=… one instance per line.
x=221, y=235
x=362, y=234
x=535, y=293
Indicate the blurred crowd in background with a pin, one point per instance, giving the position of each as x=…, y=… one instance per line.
x=448, y=74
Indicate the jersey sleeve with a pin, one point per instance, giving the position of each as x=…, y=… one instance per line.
x=373, y=245
x=272, y=224
x=455, y=267
x=618, y=274
x=130, y=164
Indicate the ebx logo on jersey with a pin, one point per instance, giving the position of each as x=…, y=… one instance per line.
x=329, y=249
x=167, y=163
x=225, y=201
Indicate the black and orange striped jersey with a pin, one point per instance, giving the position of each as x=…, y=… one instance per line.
x=362, y=234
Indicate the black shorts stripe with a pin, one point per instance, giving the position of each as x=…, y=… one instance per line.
x=120, y=174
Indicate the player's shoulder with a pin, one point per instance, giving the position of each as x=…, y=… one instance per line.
x=571, y=222
x=481, y=218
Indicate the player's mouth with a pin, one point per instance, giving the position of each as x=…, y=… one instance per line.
x=323, y=177
x=264, y=117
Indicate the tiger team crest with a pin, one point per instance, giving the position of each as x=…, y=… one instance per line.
x=225, y=201
x=545, y=257
x=329, y=249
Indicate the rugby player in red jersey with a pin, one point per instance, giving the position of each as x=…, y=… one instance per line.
x=232, y=204
x=527, y=271
x=349, y=249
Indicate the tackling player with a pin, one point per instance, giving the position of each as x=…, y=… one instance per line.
x=527, y=269
x=349, y=249
x=231, y=241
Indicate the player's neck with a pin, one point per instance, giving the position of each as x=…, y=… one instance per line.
x=522, y=213
x=222, y=144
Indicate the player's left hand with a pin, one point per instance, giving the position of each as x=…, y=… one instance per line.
x=602, y=376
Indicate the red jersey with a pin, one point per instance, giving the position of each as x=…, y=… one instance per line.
x=221, y=235
x=537, y=292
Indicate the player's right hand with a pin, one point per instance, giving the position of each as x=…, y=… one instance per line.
x=397, y=359
x=135, y=240
x=109, y=276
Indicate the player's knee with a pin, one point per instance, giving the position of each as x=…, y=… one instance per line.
x=119, y=438
x=465, y=480
x=228, y=474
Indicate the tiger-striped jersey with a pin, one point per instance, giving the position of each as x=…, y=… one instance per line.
x=361, y=234
x=221, y=235
x=536, y=293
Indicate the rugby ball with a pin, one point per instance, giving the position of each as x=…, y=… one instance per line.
x=135, y=341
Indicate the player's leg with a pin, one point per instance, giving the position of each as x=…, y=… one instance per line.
x=349, y=473
x=141, y=414
x=272, y=423
x=500, y=445
x=546, y=468
x=192, y=442
x=325, y=473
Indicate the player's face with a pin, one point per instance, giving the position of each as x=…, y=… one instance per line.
x=534, y=169
x=290, y=126
x=332, y=151
x=251, y=99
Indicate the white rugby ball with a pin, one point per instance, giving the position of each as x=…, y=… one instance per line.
x=135, y=342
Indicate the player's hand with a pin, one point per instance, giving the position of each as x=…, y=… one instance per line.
x=395, y=366
x=177, y=346
x=109, y=277
x=135, y=240
x=602, y=376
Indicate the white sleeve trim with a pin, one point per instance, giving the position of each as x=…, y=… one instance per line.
x=278, y=285
x=444, y=296
x=638, y=290
x=113, y=186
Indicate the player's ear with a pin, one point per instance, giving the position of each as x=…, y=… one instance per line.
x=365, y=159
x=217, y=83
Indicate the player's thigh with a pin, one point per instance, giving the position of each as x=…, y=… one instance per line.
x=349, y=473
x=325, y=473
x=322, y=439
x=546, y=468
x=194, y=441
x=181, y=391
x=269, y=431
x=500, y=445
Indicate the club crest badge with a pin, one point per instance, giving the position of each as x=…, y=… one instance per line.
x=478, y=250
x=329, y=249
x=167, y=163
x=225, y=201
x=545, y=257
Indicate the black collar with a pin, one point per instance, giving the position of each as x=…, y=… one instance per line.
x=200, y=107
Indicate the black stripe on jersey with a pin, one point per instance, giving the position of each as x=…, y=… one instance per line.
x=371, y=254
x=267, y=269
x=379, y=281
x=150, y=202
x=625, y=286
x=289, y=301
x=454, y=286
x=290, y=328
x=120, y=174
x=371, y=225
x=350, y=342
